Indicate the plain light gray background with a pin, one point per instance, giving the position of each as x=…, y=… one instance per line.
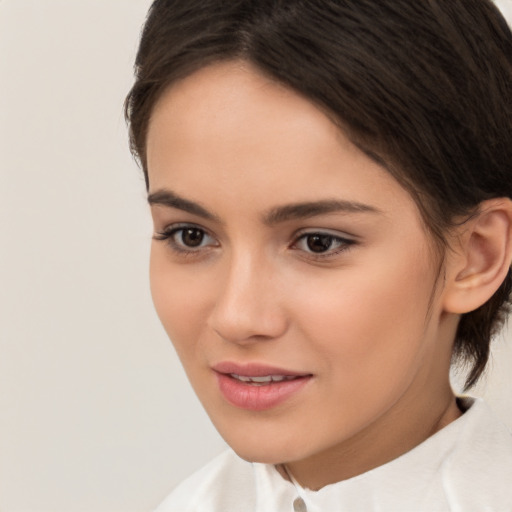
x=95, y=412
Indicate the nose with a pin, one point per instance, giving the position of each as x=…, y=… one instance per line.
x=249, y=305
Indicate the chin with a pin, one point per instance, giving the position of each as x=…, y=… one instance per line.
x=260, y=449
x=262, y=456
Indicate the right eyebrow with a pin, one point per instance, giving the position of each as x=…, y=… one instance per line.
x=167, y=198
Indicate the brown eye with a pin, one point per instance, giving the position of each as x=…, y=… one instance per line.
x=192, y=237
x=322, y=244
x=319, y=243
x=187, y=239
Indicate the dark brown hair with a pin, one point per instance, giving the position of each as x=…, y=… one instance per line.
x=424, y=87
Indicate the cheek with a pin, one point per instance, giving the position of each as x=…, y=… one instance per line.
x=179, y=302
x=369, y=324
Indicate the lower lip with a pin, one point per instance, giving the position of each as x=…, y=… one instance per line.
x=259, y=397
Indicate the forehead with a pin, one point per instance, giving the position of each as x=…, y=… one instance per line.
x=228, y=131
x=236, y=104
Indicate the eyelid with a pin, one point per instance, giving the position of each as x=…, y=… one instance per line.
x=340, y=235
x=176, y=226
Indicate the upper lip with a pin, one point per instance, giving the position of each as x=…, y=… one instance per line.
x=254, y=369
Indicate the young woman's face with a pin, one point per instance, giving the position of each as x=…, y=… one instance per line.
x=292, y=273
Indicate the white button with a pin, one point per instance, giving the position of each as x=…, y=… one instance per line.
x=299, y=505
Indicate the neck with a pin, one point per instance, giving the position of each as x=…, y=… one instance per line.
x=391, y=436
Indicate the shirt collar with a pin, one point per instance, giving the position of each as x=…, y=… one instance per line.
x=418, y=476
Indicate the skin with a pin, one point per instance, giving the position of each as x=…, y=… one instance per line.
x=365, y=317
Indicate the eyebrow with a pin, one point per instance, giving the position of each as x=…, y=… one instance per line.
x=274, y=216
x=170, y=199
x=313, y=208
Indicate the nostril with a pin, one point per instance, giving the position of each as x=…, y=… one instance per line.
x=248, y=325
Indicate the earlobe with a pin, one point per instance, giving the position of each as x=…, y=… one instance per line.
x=476, y=269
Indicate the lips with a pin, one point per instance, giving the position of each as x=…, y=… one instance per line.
x=258, y=387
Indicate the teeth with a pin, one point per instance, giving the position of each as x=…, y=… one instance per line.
x=267, y=379
x=241, y=377
x=260, y=380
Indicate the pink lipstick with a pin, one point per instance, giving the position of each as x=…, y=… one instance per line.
x=258, y=387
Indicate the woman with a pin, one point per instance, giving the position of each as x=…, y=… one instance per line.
x=330, y=186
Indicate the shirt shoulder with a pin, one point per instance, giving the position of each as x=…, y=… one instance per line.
x=477, y=475
x=219, y=486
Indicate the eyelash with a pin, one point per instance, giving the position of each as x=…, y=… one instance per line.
x=344, y=244
x=170, y=232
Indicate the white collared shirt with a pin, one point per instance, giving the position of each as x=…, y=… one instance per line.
x=465, y=467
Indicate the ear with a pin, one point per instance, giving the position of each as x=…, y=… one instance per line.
x=481, y=257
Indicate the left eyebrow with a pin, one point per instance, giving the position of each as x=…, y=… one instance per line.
x=311, y=209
